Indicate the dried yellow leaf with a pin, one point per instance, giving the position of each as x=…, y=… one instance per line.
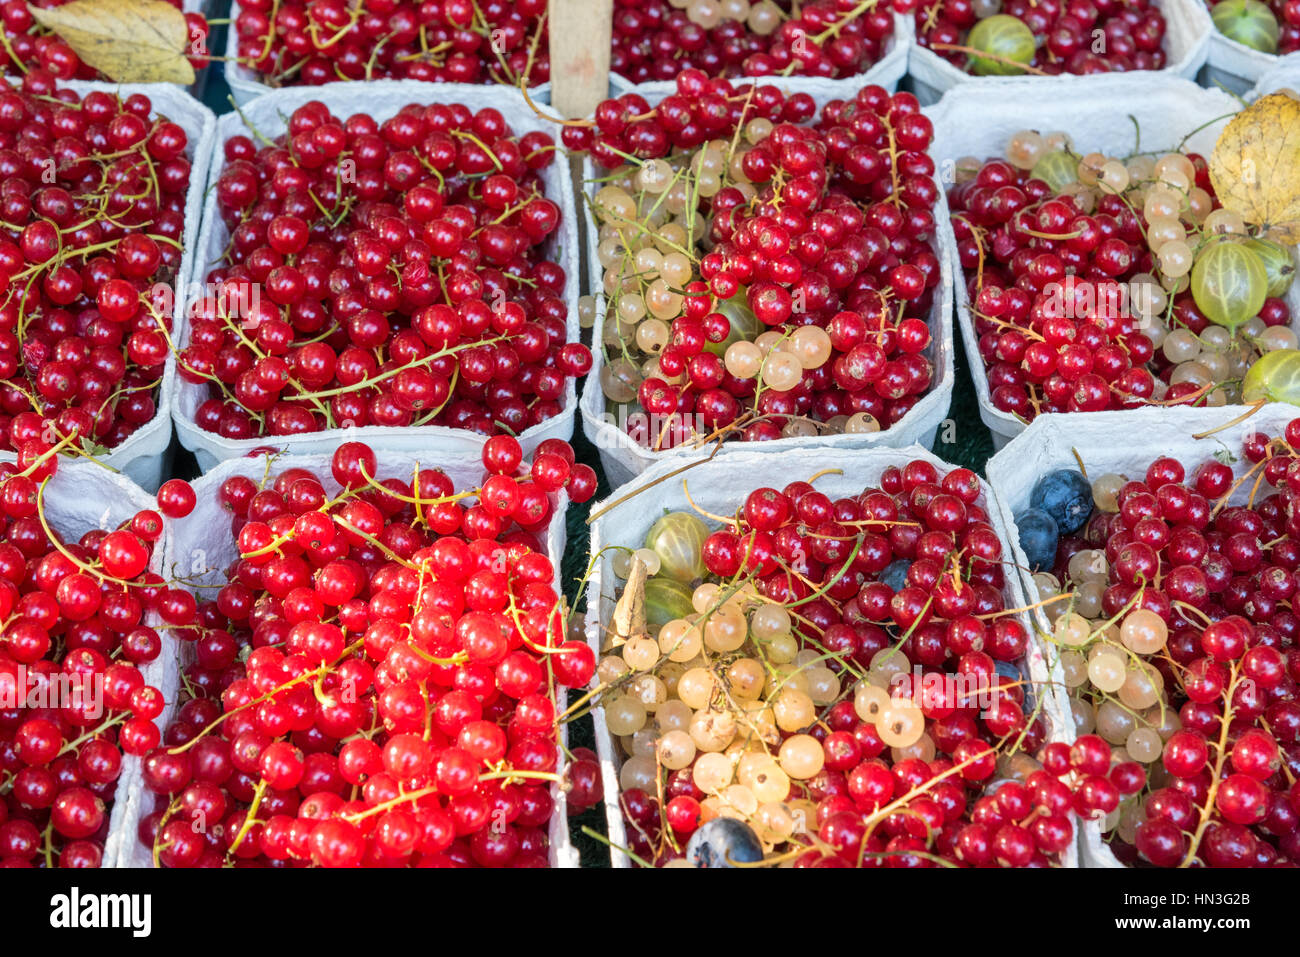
x=629, y=614
x=1255, y=166
x=129, y=41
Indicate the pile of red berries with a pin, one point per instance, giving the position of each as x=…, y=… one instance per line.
x=1213, y=583
x=656, y=40
x=1081, y=360
x=92, y=199
x=699, y=110
x=1081, y=295
x=375, y=681
x=1070, y=36
x=28, y=46
x=384, y=273
x=803, y=304
x=894, y=721
x=295, y=42
x=73, y=698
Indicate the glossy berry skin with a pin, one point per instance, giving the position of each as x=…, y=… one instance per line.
x=1066, y=496
x=1039, y=533
x=1256, y=754
x=1062, y=34
x=75, y=647
x=492, y=42
x=978, y=820
x=435, y=275
x=1226, y=799
x=176, y=498
x=1185, y=754
x=1044, y=292
x=658, y=39
x=723, y=842
x=814, y=257
x=1286, y=16
x=87, y=358
x=435, y=638
x=1242, y=799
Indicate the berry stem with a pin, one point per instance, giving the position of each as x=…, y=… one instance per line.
x=72, y=745
x=312, y=675
x=47, y=841
x=1004, y=61
x=259, y=791
x=1251, y=409
x=733, y=522
x=597, y=513
x=631, y=855
x=1220, y=756
x=91, y=570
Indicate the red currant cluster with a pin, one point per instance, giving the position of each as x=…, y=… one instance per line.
x=28, y=46
x=72, y=695
x=837, y=238
x=1066, y=32
x=898, y=589
x=1053, y=291
x=656, y=40
x=1216, y=582
x=92, y=199
x=818, y=238
x=456, y=41
x=1286, y=13
x=1050, y=362
x=700, y=109
x=404, y=277
x=375, y=683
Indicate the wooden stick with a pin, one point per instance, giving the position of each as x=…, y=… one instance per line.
x=580, y=43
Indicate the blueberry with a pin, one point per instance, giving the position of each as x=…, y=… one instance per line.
x=722, y=841
x=1066, y=496
x=1038, y=535
x=1013, y=673
x=895, y=574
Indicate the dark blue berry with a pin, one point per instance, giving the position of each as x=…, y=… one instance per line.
x=1038, y=536
x=1066, y=496
x=1014, y=675
x=723, y=842
x=895, y=574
